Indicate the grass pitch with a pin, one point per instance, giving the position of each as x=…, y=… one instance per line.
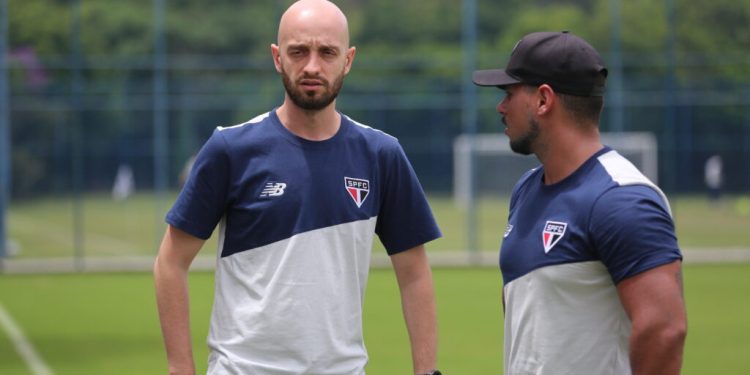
x=107, y=324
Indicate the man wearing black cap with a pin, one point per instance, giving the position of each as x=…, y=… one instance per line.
x=590, y=261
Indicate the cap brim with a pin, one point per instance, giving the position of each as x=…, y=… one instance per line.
x=493, y=77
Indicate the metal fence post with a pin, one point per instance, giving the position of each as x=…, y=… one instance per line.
x=77, y=163
x=161, y=132
x=4, y=131
x=615, y=70
x=670, y=88
x=469, y=119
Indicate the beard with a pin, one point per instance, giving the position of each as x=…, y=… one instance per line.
x=307, y=99
x=525, y=143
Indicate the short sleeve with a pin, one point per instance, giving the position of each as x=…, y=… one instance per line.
x=632, y=231
x=203, y=200
x=404, y=219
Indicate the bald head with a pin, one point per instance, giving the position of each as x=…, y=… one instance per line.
x=314, y=19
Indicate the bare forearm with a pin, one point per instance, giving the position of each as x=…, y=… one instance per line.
x=173, y=306
x=657, y=351
x=419, y=313
x=418, y=304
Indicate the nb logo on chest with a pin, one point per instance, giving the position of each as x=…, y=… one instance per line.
x=273, y=189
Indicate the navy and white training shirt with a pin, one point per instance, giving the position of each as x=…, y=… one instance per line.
x=297, y=219
x=565, y=248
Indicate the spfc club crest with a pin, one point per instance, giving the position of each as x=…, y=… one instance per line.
x=553, y=232
x=358, y=189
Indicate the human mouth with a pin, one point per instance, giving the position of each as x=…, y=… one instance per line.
x=311, y=83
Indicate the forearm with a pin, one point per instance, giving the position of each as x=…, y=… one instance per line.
x=657, y=350
x=418, y=304
x=173, y=306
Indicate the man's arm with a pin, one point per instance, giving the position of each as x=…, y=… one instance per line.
x=655, y=304
x=418, y=304
x=176, y=253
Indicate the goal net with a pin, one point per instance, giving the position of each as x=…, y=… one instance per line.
x=497, y=168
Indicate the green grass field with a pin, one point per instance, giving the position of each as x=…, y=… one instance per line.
x=107, y=324
x=45, y=228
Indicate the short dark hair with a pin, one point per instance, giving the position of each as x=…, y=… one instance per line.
x=585, y=109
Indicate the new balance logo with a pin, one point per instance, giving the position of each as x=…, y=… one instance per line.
x=273, y=189
x=508, y=229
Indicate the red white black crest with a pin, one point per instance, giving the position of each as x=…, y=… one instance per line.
x=357, y=188
x=553, y=232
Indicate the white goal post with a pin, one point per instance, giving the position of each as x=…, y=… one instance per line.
x=498, y=168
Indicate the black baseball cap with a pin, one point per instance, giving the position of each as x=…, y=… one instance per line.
x=560, y=59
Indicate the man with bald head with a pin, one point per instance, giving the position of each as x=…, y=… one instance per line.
x=298, y=194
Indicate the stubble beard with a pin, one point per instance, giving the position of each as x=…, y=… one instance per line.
x=524, y=144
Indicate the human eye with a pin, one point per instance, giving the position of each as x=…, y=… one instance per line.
x=328, y=51
x=296, y=51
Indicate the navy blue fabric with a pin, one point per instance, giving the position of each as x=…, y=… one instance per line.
x=238, y=163
x=628, y=228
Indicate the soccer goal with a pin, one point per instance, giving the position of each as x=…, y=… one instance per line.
x=497, y=167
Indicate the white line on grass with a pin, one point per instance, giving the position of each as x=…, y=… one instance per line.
x=23, y=346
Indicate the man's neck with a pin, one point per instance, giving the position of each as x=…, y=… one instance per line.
x=316, y=125
x=566, y=156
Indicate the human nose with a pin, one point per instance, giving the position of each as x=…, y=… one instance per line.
x=313, y=64
x=500, y=108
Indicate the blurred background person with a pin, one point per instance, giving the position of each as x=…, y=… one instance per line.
x=714, y=177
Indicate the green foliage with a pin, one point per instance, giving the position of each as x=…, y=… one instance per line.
x=404, y=23
x=125, y=28
x=556, y=17
x=640, y=32
x=43, y=24
x=410, y=65
x=728, y=38
x=115, y=28
x=222, y=27
x=728, y=31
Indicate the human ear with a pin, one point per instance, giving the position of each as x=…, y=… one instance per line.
x=349, y=59
x=276, y=54
x=545, y=99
